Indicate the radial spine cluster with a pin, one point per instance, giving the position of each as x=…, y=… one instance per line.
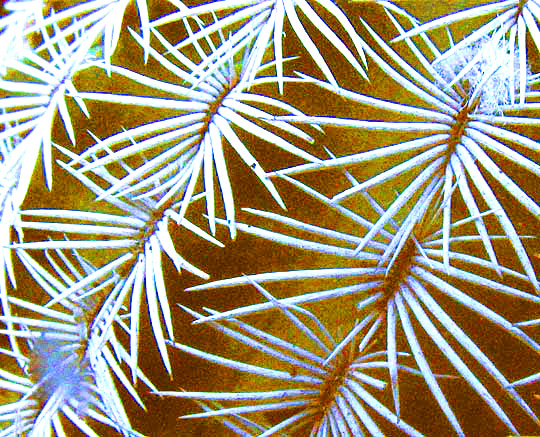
x=281, y=217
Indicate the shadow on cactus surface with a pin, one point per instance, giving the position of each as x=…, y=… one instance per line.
x=345, y=191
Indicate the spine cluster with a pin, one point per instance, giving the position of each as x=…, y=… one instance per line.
x=403, y=226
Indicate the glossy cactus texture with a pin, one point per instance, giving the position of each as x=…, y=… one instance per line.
x=269, y=217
